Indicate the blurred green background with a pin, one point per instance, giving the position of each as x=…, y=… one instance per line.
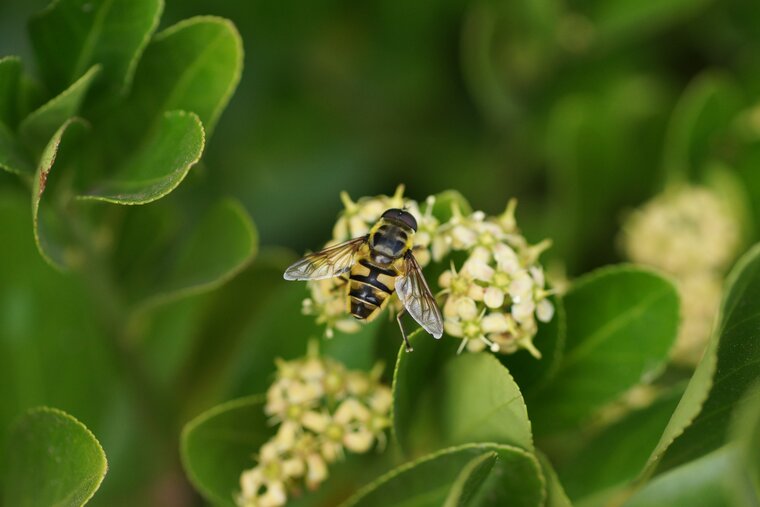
x=580, y=109
x=564, y=105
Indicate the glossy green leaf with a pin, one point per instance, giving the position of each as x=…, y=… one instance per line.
x=428, y=480
x=218, y=445
x=10, y=74
x=37, y=128
x=700, y=123
x=194, y=65
x=158, y=166
x=443, y=399
x=555, y=493
x=621, y=323
x=530, y=372
x=51, y=193
x=53, y=459
x=619, y=451
x=470, y=479
x=218, y=248
x=727, y=369
x=69, y=36
x=12, y=156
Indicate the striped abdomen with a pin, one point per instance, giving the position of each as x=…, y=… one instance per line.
x=370, y=286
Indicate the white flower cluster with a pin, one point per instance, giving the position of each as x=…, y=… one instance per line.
x=496, y=296
x=691, y=234
x=493, y=300
x=322, y=408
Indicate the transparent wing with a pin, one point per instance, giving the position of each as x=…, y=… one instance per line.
x=327, y=263
x=414, y=293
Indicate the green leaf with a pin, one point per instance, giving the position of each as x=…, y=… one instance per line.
x=219, y=247
x=53, y=460
x=37, y=128
x=555, y=493
x=158, y=166
x=194, y=65
x=51, y=193
x=470, y=479
x=218, y=445
x=428, y=480
x=699, y=125
x=12, y=156
x=69, y=36
x=530, y=372
x=706, y=482
x=728, y=367
x=443, y=399
x=10, y=74
x=621, y=322
x=619, y=451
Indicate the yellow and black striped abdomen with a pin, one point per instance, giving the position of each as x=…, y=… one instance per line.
x=370, y=287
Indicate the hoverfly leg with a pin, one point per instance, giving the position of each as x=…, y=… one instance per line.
x=403, y=333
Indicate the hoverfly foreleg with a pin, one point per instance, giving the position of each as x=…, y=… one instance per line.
x=403, y=333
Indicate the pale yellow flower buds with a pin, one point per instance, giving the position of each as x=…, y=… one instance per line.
x=322, y=408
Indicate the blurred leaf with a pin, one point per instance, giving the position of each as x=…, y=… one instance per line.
x=37, y=128
x=623, y=20
x=705, y=482
x=12, y=157
x=53, y=460
x=10, y=74
x=194, y=66
x=700, y=124
x=218, y=248
x=69, y=36
x=621, y=323
x=442, y=399
x=269, y=336
x=555, y=493
x=191, y=344
x=602, y=150
x=470, y=479
x=51, y=350
x=617, y=453
x=444, y=203
x=530, y=372
x=218, y=445
x=159, y=165
x=428, y=480
x=51, y=193
x=745, y=433
x=728, y=367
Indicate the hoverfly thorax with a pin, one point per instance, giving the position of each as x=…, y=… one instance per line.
x=393, y=235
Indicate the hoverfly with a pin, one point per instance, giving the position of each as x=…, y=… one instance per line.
x=378, y=265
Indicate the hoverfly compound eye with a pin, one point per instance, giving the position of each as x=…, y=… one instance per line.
x=402, y=216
